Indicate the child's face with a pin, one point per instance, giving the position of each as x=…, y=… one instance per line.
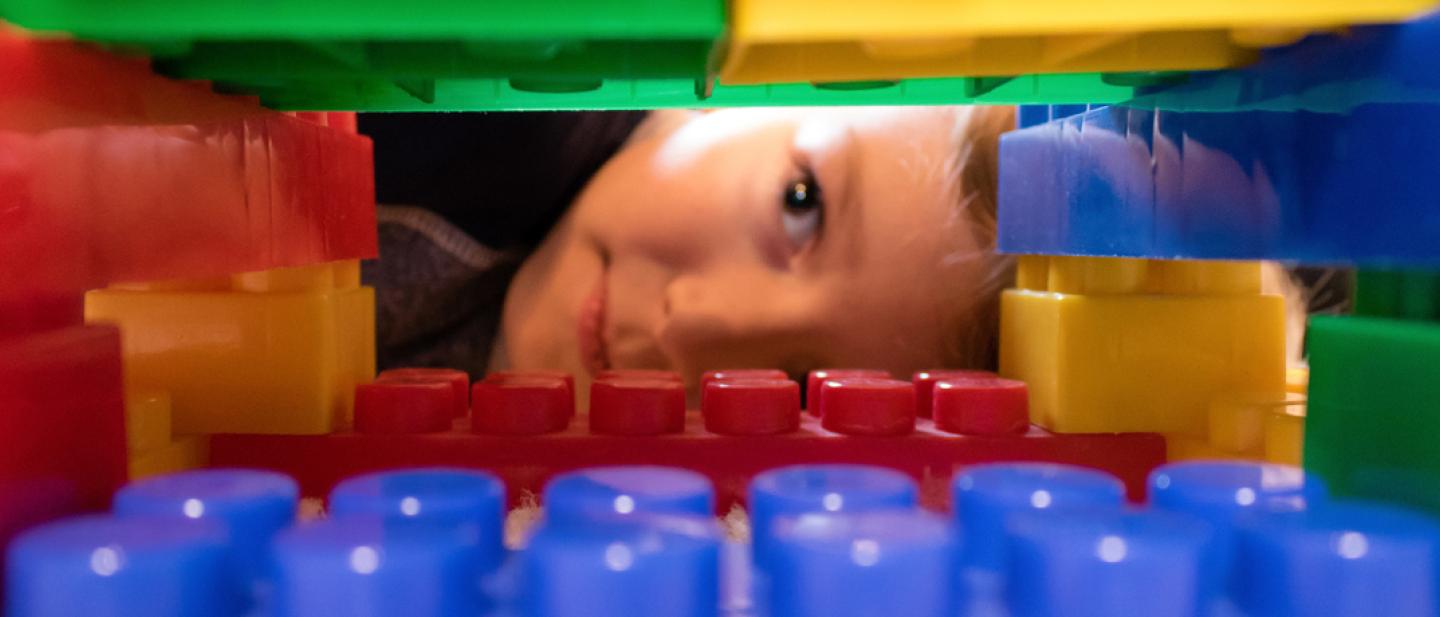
x=791, y=239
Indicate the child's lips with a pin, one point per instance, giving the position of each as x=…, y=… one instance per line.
x=591, y=326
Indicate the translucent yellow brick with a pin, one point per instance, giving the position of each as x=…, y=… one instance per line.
x=1237, y=420
x=247, y=362
x=1285, y=436
x=147, y=420
x=185, y=453
x=1117, y=363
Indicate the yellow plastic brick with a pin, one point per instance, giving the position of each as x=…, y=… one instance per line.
x=1148, y=362
x=1297, y=379
x=1032, y=272
x=1098, y=275
x=1285, y=435
x=147, y=420
x=282, y=362
x=1183, y=448
x=1237, y=420
x=1204, y=277
x=183, y=454
x=777, y=41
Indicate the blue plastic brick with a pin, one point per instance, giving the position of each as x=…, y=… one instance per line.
x=469, y=501
x=608, y=492
x=1110, y=563
x=1341, y=560
x=824, y=488
x=373, y=567
x=101, y=566
x=987, y=496
x=879, y=562
x=1321, y=153
x=1221, y=491
x=641, y=566
x=252, y=505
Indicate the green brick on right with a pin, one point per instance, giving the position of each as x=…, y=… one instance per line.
x=1373, y=424
x=1402, y=294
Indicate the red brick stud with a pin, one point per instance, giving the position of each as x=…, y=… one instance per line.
x=568, y=378
x=867, y=406
x=459, y=382
x=751, y=406
x=982, y=406
x=637, y=406
x=521, y=406
x=741, y=373
x=816, y=377
x=403, y=406
x=924, y=382
x=637, y=373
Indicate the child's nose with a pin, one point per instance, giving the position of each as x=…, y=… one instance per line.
x=734, y=307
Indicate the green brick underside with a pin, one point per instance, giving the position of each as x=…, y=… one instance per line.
x=1403, y=294
x=1373, y=424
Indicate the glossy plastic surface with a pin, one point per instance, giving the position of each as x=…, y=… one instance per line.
x=618, y=492
x=986, y=497
x=397, y=406
x=981, y=406
x=805, y=489
x=1370, y=423
x=624, y=405
x=466, y=501
x=924, y=382
x=240, y=188
x=899, y=562
x=369, y=567
x=867, y=406
x=736, y=406
x=1079, y=330
x=275, y=351
x=815, y=378
x=1219, y=491
x=522, y=405
x=642, y=566
x=458, y=381
x=1341, y=560
x=251, y=506
x=1108, y=563
x=114, y=567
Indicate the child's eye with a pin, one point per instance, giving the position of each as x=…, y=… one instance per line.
x=803, y=210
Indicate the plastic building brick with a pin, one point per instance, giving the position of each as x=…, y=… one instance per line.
x=408, y=406
x=458, y=381
x=815, y=379
x=835, y=540
x=1240, y=423
x=981, y=406
x=62, y=431
x=799, y=40
x=147, y=420
x=1081, y=331
x=637, y=406
x=240, y=188
x=1135, y=182
x=183, y=453
x=522, y=405
x=1370, y=422
x=928, y=455
x=751, y=406
x=277, y=352
x=924, y=382
x=867, y=406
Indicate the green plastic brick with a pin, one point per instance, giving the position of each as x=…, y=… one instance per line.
x=1403, y=294
x=1373, y=422
x=536, y=94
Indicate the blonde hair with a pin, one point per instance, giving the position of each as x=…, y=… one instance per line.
x=973, y=334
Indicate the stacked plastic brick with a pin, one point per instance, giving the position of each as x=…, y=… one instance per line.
x=1023, y=540
x=524, y=428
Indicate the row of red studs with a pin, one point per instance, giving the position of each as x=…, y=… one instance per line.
x=740, y=402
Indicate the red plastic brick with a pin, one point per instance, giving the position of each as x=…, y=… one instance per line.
x=751, y=406
x=637, y=406
x=813, y=380
x=399, y=406
x=237, y=187
x=924, y=382
x=459, y=382
x=636, y=373
x=737, y=374
x=867, y=406
x=981, y=406
x=928, y=455
x=62, y=424
x=503, y=376
x=522, y=406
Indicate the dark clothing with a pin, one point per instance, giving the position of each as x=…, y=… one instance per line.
x=480, y=192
